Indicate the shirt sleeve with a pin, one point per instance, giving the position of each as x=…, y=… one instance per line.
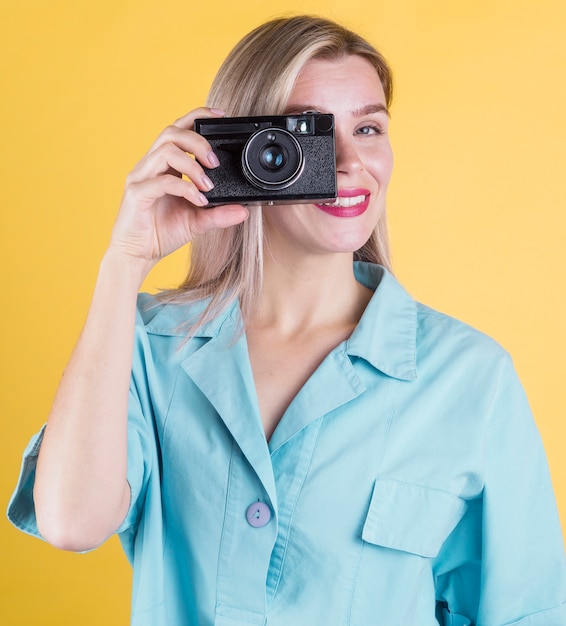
x=517, y=569
x=21, y=509
x=141, y=455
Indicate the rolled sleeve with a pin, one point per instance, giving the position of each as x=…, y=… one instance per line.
x=141, y=455
x=21, y=508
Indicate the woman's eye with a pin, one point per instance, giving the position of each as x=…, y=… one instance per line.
x=369, y=130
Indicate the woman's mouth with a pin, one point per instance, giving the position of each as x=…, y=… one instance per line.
x=350, y=203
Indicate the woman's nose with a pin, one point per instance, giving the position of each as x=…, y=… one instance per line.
x=347, y=157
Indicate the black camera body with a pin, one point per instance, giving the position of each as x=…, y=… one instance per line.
x=277, y=159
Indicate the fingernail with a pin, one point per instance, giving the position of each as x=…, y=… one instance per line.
x=206, y=182
x=203, y=200
x=213, y=159
x=218, y=112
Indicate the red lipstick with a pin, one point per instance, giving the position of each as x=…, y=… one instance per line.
x=349, y=203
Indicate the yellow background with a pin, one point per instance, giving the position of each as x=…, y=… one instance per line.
x=477, y=205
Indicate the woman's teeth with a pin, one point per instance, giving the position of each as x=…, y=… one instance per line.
x=346, y=202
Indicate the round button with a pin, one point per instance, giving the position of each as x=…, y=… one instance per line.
x=258, y=514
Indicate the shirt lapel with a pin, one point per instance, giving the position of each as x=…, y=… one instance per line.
x=221, y=370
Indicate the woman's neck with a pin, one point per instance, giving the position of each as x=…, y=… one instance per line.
x=309, y=293
x=305, y=310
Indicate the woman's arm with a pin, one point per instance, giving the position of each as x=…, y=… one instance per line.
x=81, y=494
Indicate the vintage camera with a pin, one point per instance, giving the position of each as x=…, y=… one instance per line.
x=274, y=159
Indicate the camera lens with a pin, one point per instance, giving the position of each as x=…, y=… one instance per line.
x=272, y=159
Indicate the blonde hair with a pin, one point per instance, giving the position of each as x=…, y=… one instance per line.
x=257, y=78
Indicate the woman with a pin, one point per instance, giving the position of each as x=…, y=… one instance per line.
x=301, y=442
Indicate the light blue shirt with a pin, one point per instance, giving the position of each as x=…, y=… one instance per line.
x=406, y=484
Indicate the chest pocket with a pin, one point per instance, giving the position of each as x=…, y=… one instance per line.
x=411, y=518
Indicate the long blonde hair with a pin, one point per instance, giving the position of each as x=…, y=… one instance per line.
x=257, y=78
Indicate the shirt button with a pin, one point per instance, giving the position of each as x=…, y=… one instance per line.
x=258, y=514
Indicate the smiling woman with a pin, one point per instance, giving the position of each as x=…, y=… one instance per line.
x=289, y=437
x=348, y=87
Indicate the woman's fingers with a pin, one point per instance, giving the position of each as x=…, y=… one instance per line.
x=169, y=158
x=149, y=190
x=223, y=216
x=164, y=204
x=187, y=140
x=181, y=133
x=201, y=217
x=166, y=153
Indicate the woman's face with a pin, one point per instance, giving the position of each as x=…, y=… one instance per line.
x=350, y=89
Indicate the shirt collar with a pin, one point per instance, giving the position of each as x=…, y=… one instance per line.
x=385, y=336
x=171, y=319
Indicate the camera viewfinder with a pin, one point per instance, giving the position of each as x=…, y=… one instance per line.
x=300, y=125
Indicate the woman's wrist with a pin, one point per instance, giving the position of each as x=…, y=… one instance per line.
x=126, y=268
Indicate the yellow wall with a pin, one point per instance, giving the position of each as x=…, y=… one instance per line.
x=477, y=205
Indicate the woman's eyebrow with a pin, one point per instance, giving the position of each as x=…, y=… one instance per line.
x=298, y=109
x=371, y=108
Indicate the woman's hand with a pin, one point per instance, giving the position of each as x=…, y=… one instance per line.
x=163, y=206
